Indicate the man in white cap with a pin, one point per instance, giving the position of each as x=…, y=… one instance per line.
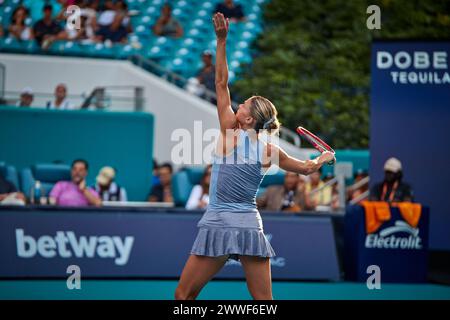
x=107, y=188
x=26, y=97
x=392, y=189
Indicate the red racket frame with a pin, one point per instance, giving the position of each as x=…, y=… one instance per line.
x=322, y=147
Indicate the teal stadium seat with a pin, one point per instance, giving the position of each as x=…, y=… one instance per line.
x=67, y=48
x=31, y=46
x=182, y=183
x=162, y=47
x=144, y=29
x=10, y=44
x=10, y=174
x=124, y=51
x=6, y=13
x=98, y=50
x=48, y=174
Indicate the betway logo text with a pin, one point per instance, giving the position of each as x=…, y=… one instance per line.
x=66, y=245
x=386, y=239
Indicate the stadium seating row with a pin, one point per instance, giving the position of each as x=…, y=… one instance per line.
x=178, y=55
x=182, y=181
x=48, y=174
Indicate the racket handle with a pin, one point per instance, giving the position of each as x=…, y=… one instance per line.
x=332, y=162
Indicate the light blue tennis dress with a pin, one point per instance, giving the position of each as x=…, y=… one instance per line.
x=232, y=224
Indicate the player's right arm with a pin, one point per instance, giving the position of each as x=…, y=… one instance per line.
x=276, y=155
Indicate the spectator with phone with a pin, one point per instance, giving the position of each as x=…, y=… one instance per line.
x=114, y=22
x=75, y=193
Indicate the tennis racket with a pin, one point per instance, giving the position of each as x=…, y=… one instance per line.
x=315, y=141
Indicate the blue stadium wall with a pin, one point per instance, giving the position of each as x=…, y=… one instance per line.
x=119, y=139
x=410, y=119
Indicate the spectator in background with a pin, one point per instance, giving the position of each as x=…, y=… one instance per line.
x=75, y=193
x=9, y=193
x=107, y=188
x=356, y=193
x=392, y=189
x=207, y=74
x=155, y=177
x=319, y=198
x=85, y=33
x=114, y=22
x=167, y=25
x=123, y=15
x=36, y=7
x=334, y=191
x=18, y=28
x=163, y=191
x=26, y=97
x=199, y=197
x=89, y=18
x=205, y=78
x=230, y=10
x=93, y=4
x=47, y=30
x=61, y=6
x=289, y=197
x=61, y=102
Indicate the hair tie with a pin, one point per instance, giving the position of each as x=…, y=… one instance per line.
x=268, y=122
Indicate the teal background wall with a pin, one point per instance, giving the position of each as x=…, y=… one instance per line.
x=123, y=140
x=359, y=158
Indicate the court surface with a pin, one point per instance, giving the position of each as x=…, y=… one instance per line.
x=164, y=289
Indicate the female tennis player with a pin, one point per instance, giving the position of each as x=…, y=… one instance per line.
x=231, y=227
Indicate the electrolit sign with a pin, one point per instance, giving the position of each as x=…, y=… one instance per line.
x=409, y=120
x=399, y=236
x=416, y=67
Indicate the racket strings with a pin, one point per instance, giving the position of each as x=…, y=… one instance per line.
x=316, y=142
